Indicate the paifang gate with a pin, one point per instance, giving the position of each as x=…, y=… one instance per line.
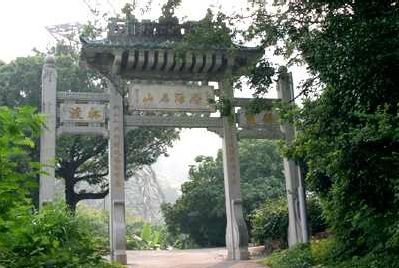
x=150, y=83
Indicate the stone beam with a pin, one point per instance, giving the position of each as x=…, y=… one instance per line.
x=132, y=121
x=82, y=130
x=82, y=96
x=269, y=133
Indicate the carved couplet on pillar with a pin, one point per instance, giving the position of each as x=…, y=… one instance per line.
x=48, y=135
x=236, y=230
x=297, y=227
x=117, y=176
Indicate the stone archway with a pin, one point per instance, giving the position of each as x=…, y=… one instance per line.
x=163, y=88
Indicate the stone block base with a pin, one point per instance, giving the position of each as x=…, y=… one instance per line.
x=121, y=258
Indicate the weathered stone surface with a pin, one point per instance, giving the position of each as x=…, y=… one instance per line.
x=117, y=176
x=236, y=230
x=297, y=229
x=48, y=137
x=174, y=97
x=82, y=96
x=132, y=121
x=82, y=113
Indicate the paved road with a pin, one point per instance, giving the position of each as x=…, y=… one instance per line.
x=193, y=258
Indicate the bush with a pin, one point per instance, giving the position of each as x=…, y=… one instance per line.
x=321, y=253
x=53, y=237
x=270, y=221
x=139, y=234
x=97, y=219
x=150, y=238
x=382, y=260
x=298, y=257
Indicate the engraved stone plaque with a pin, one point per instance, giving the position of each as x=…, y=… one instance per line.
x=260, y=120
x=82, y=113
x=161, y=97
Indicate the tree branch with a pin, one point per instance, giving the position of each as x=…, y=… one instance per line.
x=90, y=176
x=82, y=195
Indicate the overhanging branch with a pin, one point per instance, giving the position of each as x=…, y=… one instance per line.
x=83, y=196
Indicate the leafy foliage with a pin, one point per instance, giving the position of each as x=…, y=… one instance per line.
x=140, y=235
x=200, y=211
x=18, y=130
x=270, y=220
x=211, y=31
x=348, y=125
x=51, y=237
x=297, y=257
x=320, y=253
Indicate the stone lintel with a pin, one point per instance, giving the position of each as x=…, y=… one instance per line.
x=82, y=130
x=82, y=96
x=269, y=133
x=132, y=121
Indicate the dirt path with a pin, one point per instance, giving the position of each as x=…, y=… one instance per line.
x=195, y=258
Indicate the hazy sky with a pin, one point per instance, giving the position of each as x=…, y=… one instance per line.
x=22, y=22
x=22, y=28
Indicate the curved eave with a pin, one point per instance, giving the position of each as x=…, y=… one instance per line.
x=158, y=61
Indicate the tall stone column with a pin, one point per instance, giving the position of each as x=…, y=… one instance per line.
x=48, y=135
x=117, y=176
x=297, y=216
x=236, y=230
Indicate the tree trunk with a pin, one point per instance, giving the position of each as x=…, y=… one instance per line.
x=70, y=195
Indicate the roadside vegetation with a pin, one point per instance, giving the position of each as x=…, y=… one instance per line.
x=53, y=237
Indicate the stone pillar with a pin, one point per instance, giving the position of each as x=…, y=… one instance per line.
x=117, y=177
x=297, y=229
x=48, y=135
x=236, y=230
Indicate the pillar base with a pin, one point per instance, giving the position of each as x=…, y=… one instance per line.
x=240, y=255
x=121, y=258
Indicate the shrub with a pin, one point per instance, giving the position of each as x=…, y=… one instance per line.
x=150, y=237
x=321, y=253
x=381, y=260
x=139, y=234
x=270, y=221
x=53, y=237
x=298, y=257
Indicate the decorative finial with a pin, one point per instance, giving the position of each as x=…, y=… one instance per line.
x=282, y=69
x=50, y=59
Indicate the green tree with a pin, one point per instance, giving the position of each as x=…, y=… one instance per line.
x=81, y=159
x=348, y=127
x=18, y=129
x=200, y=211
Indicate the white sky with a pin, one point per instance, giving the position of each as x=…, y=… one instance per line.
x=22, y=28
x=22, y=22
